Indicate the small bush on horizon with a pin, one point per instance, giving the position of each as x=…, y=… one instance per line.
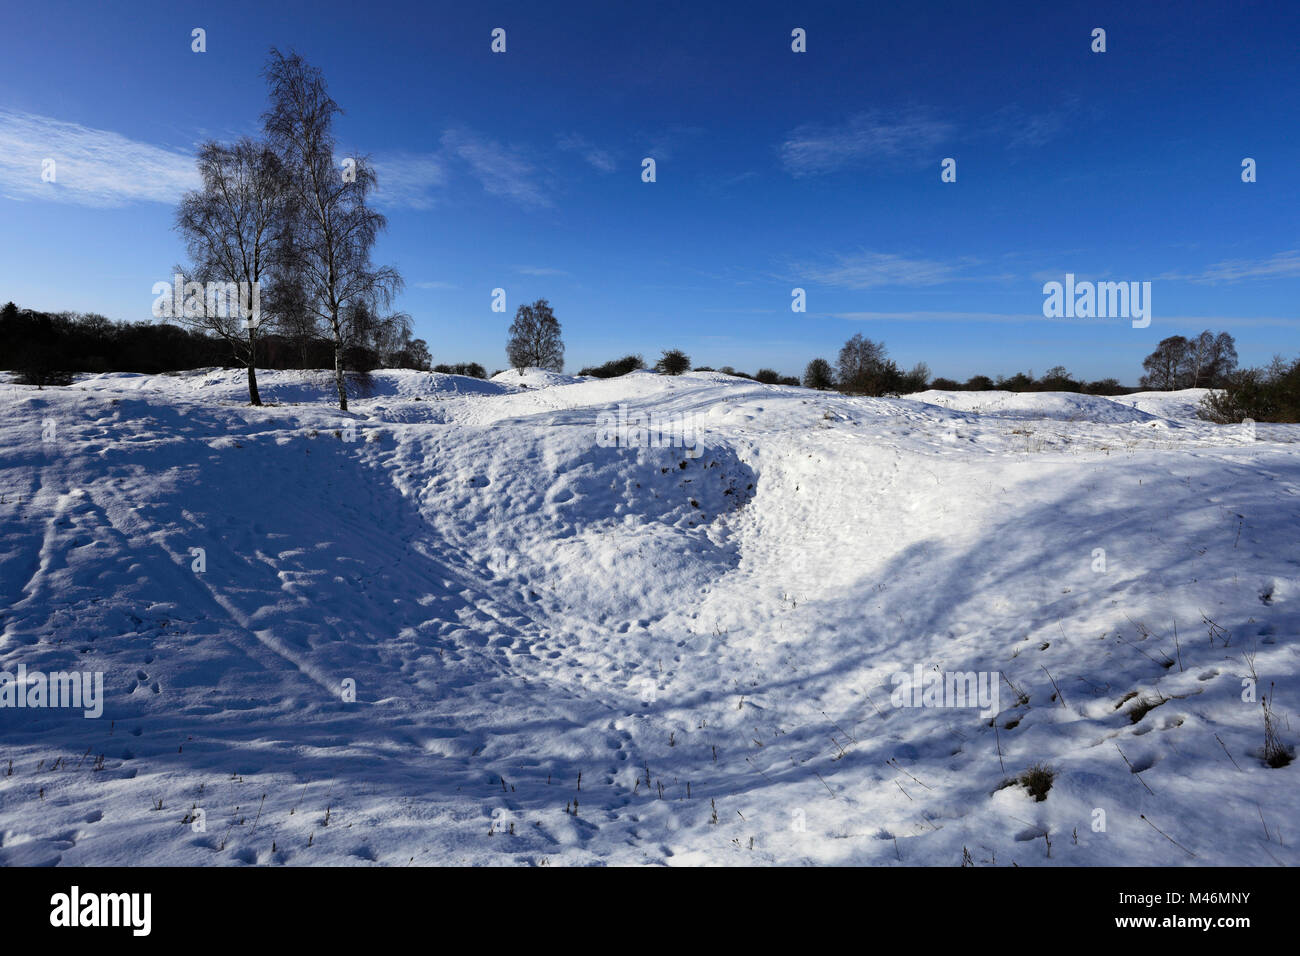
x=615, y=367
x=472, y=369
x=728, y=370
x=1270, y=394
x=673, y=362
x=819, y=375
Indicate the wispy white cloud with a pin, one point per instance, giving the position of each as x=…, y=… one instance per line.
x=1216, y=322
x=813, y=149
x=92, y=167
x=599, y=159
x=1017, y=128
x=1228, y=321
x=540, y=271
x=101, y=168
x=870, y=270
x=409, y=179
x=501, y=170
x=935, y=316
x=922, y=315
x=1281, y=265
x=436, y=285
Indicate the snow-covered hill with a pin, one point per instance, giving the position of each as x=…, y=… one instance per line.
x=567, y=651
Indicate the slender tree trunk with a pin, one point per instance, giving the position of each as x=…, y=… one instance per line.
x=338, y=376
x=253, y=397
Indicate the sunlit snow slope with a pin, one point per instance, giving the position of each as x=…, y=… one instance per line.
x=565, y=652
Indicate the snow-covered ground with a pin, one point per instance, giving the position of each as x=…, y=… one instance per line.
x=569, y=652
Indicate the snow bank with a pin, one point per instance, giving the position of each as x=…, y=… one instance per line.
x=293, y=386
x=433, y=613
x=533, y=378
x=1179, y=404
x=1060, y=406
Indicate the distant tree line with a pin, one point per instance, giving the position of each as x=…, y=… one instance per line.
x=472, y=369
x=864, y=368
x=48, y=348
x=1055, y=379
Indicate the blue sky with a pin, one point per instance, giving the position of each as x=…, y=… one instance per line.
x=775, y=170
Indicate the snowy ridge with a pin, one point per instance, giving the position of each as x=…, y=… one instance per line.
x=708, y=641
x=1064, y=406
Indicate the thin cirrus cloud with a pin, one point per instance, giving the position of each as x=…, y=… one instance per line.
x=540, y=271
x=1019, y=128
x=1189, y=322
x=871, y=270
x=409, y=180
x=972, y=317
x=502, y=171
x=91, y=167
x=1281, y=265
x=599, y=159
x=101, y=168
x=877, y=135
x=935, y=316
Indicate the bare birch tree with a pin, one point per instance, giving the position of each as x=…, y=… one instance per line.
x=535, y=338
x=230, y=226
x=334, y=230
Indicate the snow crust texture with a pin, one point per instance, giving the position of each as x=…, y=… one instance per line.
x=569, y=651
